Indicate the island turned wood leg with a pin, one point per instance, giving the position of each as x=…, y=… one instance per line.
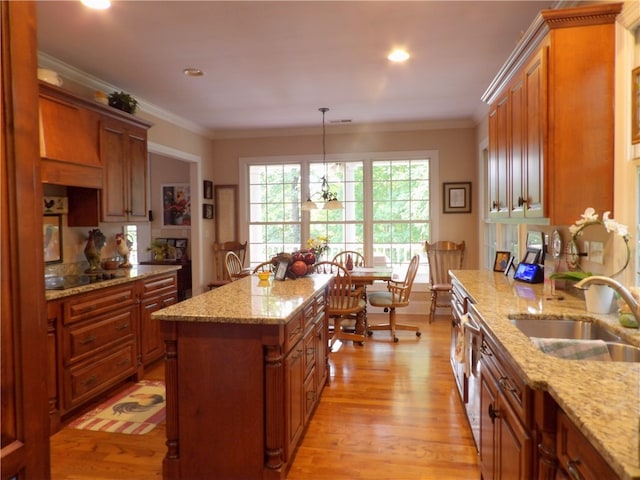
x=170, y=465
x=274, y=447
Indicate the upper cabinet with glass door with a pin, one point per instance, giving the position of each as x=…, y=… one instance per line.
x=551, y=122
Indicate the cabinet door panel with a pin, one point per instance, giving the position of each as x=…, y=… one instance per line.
x=535, y=86
x=514, y=444
x=137, y=187
x=487, y=425
x=112, y=148
x=517, y=194
x=294, y=398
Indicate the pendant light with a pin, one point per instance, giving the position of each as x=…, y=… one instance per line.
x=329, y=198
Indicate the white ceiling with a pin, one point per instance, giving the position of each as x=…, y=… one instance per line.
x=273, y=64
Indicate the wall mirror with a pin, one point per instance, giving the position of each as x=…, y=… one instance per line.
x=226, y=203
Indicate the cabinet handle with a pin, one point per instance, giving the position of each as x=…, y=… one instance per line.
x=168, y=300
x=573, y=471
x=88, y=340
x=124, y=326
x=504, y=383
x=521, y=201
x=493, y=413
x=484, y=350
x=310, y=350
x=90, y=380
x=494, y=205
x=149, y=306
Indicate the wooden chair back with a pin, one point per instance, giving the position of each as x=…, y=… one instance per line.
x=219, y=253
x=401, y=290
x=263, y=267
x=233, y=266
x=356, y=258
x=443, y=256
x=344, y=297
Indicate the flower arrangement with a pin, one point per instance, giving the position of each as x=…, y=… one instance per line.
x=162, y=250
x=590, y=217
x=318, y=245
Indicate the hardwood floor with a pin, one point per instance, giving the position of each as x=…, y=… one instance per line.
x=390, y=412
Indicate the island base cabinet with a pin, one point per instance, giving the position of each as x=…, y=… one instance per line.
x=238, y=396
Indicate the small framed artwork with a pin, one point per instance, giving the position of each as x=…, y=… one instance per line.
x=55, y=205
x=501, y=261
x=176, y=205
x=207, y=211
x=456, y=197
x=207, y=189
x=52, y=238
x=281, y=271
x=635, y=105
x=181, y=247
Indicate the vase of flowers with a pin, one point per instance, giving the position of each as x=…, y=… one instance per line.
x=318, y=245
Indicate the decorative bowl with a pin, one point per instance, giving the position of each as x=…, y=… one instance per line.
x=264, y=275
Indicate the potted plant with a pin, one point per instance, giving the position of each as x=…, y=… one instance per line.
x=123, y=101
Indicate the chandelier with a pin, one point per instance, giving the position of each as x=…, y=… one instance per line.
x=329, y=197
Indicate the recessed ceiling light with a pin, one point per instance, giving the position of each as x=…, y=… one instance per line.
x=97, y=4
x=193, y=72
x=398, y=55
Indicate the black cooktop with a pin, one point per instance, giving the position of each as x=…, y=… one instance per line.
x=62, y=282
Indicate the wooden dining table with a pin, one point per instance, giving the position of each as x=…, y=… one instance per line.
x=363, y=276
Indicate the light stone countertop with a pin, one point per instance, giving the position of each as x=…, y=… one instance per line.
x=247, y=301
x=136, y=272
x=601, y=398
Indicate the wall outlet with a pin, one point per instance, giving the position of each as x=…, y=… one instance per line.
x=596, y=252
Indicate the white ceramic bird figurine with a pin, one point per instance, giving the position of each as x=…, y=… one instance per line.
x=122, y=247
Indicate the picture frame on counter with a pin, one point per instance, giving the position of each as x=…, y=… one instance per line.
x=52, y=238
x=456, y=197
x=281, y=271
x=501, y=261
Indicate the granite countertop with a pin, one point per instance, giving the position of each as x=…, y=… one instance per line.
x=247, y=301
x=601, y=398
x=124, y=275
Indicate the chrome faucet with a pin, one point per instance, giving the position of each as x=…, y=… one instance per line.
x=617, y=286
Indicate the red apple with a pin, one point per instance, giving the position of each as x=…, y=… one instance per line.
x=309, y=258
x=299, y=268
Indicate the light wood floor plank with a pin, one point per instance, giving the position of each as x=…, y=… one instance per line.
x=390, y=412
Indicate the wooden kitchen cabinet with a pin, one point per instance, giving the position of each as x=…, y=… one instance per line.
x=551, y=120
x=256, y=385
x=156, y=293
x=98, y=342
x=69, y=144
x=506, y=443
x=123, y=147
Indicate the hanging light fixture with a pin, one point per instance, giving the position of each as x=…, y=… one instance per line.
x=329, y=198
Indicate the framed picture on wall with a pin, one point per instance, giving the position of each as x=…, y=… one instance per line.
x=207, y=211
x=52, y=238
x=456, y=197
x=207, y=189
x=176, y=205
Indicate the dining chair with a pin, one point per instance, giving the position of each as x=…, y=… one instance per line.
x=345, y=303
x=219, y=253
x=263, y=267
x=443, y=256
x=357, y=259
x=233, y=267
x=396, y=296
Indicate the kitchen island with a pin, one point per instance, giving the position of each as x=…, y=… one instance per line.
x=601, y=399
x=245, y=367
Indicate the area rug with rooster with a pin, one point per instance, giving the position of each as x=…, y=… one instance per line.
x=134, y=411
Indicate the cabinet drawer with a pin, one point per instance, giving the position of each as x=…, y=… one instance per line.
x=293, y=332
x=82, y=339
x=309, y=346
x=309, y=314
x=510, y=383
x=159, y=285
x=576, y=455
x=92, y=304
x=85, y=380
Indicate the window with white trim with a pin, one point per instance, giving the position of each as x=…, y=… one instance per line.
x=386, y=206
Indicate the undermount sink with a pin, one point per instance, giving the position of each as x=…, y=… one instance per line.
x=578, y=329
x=564, y=328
